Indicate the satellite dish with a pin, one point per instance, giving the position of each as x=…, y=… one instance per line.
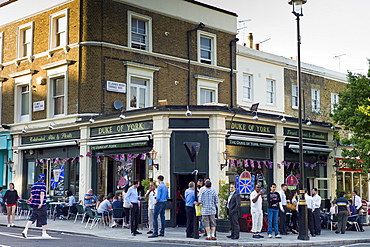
x=118, y=105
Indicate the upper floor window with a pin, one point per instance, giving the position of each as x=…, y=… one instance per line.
x=139, y=93
x=58, y=94
x=25, y=40
x=294, y=96
x=315, y=96
x=59, y=29
x=207, y=89
x=140, y=31
x=207, y=96
x=247, y=87
x=206, y=48
x=1, y=46
x=270, y=91
x=24, y=92
x=334, y=101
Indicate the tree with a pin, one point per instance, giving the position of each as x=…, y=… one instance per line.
x=353, y=112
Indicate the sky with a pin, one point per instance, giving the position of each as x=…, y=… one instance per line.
x=329, y=29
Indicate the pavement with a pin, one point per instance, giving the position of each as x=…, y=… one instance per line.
x=177, y=235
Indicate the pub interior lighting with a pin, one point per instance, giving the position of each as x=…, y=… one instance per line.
x=225, y=155
x=153, y=157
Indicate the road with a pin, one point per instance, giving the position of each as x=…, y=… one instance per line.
x=12, y=237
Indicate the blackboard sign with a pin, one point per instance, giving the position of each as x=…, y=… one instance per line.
x=59, y=189
x=144, y=212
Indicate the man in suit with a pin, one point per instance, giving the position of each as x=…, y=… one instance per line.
x=233, y=204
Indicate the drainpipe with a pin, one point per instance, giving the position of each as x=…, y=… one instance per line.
x=232, y=42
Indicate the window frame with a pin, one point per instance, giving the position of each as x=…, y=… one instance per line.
x=271, y=94
x=213, y=38
x=315, y=101
x=333, y=102
x=53, y=97
x=20, y=38
x=148, y=21
x=208, y=84
x=138, y=87
x=53, y=27
x=295, y=97
x=250, y=88
x=20, y=82
x=52, y=74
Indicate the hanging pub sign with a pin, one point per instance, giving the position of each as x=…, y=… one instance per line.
x=245, y=182
x=121, y=128
x=249, y=127
x=291, y=181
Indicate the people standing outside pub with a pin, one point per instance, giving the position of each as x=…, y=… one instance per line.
x=190, y=209
x=357, y=203
x=342, y=209
x=160, y=207
x=310, y=207
x=132, y=198
x=10, y=199
x=208, y=198
x=151, y=195
x=273, y=200
x=233, y=205
x=38, y=203
x=256, y=211
x=294, y=201
x=316, y=211
x=282, y=213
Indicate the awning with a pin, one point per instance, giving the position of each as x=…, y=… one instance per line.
x=118, y=140
x=251, y=139
x=48, y=145
x=311, y=148
x=239, y=140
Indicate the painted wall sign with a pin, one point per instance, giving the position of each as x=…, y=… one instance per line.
x=117, y=87
x=248, y=143
x=121, y=128
x=39, y=106
x=305, y=151
x=249, y=127
x=60, y=136
x=306, y=134
x=120, y=145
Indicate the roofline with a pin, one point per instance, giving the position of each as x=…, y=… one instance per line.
x=7, y=2
x=211, y=7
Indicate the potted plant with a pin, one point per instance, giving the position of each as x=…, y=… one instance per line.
x=223, y=222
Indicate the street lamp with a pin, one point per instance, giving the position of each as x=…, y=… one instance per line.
x=153, y=157
x=302, y=206
x=225, y=155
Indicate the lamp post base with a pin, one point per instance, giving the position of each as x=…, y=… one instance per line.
x=302, y=217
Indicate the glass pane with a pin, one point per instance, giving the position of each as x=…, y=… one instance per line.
x=142, y=98
x=138, y=81
x=25, y=103
x=133, y=97
x=31, y=173
x=60, y=39
x=205, y=54
x=27, y=36
x=59, y=105
x=58, y=87
x=323, y=184
x=340, y=181
x=205, y=43
x=61, y=24
x=141, y=27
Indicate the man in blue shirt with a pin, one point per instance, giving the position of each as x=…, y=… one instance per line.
x=160, y=207
x=189, y=209
x=38, y=203
x=132, y=199
x=90, y=198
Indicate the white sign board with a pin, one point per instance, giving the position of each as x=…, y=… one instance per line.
x=39, y=106
x=114, y=86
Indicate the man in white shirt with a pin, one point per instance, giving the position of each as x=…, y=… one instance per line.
x=106, y=209
x=282, y=213
x=310, y=206
x=357, y=202
x=151, y=194
x=316, y=211
x=256, y=211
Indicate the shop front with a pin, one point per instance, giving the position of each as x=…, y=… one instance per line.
x=119, y=155
x=6, y=157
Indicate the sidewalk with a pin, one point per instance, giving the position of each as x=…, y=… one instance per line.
x=177, y=235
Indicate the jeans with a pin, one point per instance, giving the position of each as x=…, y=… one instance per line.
x=159, y=209
x=273, y=219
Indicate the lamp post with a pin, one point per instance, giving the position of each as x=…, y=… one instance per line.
x=302, y=206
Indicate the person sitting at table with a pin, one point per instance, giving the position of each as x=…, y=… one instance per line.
x=105, y=208
x=90, y=198
x=100, y=199
x=62, y=209
x=117, y=203
x=353, y=211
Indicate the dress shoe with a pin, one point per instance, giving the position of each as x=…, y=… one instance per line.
x=229, y=236
x=318, y=233
x=153, y=236
x=336, y=232
x=313, y=235
x=138, y=232
x=149, y=232
x=133, y=234
x=260, y=236
x=189, y=236
x=161, y=235
x=256, y=236
x=234, y=237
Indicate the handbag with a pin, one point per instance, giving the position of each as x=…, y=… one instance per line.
x=198, y=210
x=291, y=206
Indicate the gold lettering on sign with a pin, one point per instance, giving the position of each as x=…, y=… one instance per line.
x=135, y=126
x=105, y=130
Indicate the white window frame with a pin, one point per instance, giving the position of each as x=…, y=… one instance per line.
x=315, y=100
x=53, y=27
x=19, y=83
x=138, y=87
x=52, y=74
x=213, y=38
x=148, y=21
x=295, y=96
x=143, y=72
x=270, y=95
x=248, y=87
x=209, y=84
x=1, y=47
x=334, y=99
x=21, y=29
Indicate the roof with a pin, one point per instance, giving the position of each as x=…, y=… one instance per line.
x=211, y=7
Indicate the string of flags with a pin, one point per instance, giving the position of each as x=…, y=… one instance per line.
x=269, y=164
x=116, y=157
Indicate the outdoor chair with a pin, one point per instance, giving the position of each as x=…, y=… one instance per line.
x=333, y=222
x=353, y=224
x=95, y=219
x=24, y=209
x=118, y=214
x=80, y=212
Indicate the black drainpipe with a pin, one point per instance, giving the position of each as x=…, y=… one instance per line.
x=232, y=42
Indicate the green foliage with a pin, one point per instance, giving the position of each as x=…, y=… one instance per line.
x=145, y=183
x=351, y=112
x=223, y=195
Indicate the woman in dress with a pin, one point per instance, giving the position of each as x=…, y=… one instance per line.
x=10, y=199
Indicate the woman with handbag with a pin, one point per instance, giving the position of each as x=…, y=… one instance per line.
x=293, y=208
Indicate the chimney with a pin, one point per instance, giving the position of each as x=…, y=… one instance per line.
x=257, y=46
x=250, y=37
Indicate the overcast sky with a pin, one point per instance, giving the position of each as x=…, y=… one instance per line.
x=329, y=28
